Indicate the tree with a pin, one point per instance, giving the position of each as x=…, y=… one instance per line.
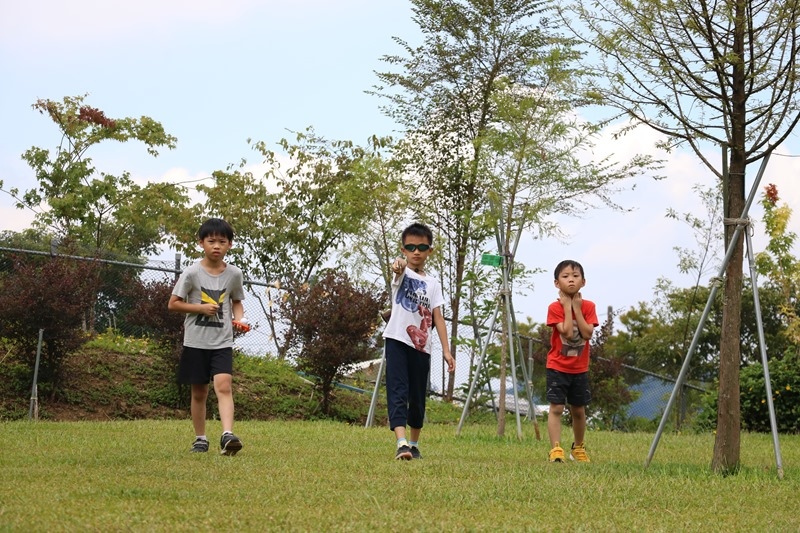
x=335, y=322
x=455, y=95
x=290, y=222
x=442, y=96
x=704, y=73
x=610, y=394
x=780, y=266
x=533, y=165
x=103, y=212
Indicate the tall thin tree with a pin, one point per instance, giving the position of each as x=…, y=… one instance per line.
x=704, y=73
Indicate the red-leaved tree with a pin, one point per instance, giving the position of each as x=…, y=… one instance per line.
x=335, y=323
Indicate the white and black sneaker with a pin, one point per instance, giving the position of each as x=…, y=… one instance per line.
x=200, y=446
x=403, y=453
x=229, y=444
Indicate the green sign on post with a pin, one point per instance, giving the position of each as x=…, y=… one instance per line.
x=492, y=260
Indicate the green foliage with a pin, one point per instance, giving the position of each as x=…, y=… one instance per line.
x=488, y=100
x=290, y=221
x=335, y=322
x=112, y=340
x=15, y=375
x=780, y=266
x=656, y=336
x=610, y=394
x=785, y=383
x=98, y=210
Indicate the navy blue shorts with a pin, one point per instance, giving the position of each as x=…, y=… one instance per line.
x=563, y=388
x=197, y=366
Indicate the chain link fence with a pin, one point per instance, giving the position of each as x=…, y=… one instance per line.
x=650, y=391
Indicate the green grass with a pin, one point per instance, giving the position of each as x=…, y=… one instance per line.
x=327, y=476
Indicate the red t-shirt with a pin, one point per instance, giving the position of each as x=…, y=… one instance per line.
x=569, y=355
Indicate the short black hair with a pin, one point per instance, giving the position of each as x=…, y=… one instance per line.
x=568, y=263
x=215, y=226
x=418, y=230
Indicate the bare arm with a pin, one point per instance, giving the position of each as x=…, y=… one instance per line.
x=237, y=308
x=441, y=329
x=586, y=330
x=565, y=327
x=178, y=305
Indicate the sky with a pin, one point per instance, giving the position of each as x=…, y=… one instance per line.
x=215, y=74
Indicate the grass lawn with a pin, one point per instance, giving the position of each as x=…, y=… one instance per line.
x=325, y=476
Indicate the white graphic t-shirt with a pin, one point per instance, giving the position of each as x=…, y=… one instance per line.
x=414, y=297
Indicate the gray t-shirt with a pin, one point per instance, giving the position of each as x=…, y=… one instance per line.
x=195, y=286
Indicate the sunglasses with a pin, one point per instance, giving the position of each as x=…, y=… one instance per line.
x=420, y=247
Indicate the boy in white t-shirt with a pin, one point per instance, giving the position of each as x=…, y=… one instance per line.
x=417, y=301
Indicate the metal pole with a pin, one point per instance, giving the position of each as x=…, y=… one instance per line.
x=510, y=343
x=35, y=389
x=477, y=370
x=762, y=345
x=706, y=311
x=374, y=401
x=177, y=265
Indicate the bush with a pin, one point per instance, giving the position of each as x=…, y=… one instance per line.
x=51, y=294
x=335, y=323
x=785, y=382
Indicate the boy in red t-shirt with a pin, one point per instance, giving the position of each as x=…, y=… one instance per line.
x=573, y=320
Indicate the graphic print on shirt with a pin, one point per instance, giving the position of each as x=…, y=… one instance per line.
x=419, y=335
x=413, y=297
x=211, y=296
x=572, y=346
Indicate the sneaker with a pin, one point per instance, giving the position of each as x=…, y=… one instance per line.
x=415, y=453
x=200, y=446
x=556, y=454
x=578, y=453
x=404, y=453
x=229, y=444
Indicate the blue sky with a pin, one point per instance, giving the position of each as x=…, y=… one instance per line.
x=217, y=73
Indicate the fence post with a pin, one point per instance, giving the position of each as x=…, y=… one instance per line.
x=177, y=265
x=33, y=411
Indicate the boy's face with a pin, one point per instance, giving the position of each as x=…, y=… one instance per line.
x=416, y=258
x=570, y=281
x=215, y=246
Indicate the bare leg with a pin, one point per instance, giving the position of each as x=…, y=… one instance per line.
x=578, y=423
x=198, y=407
x=222, y=387
x=414, y=433
x=554, y=423
x=400, y=432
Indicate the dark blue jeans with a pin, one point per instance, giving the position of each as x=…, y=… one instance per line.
x=407, y=372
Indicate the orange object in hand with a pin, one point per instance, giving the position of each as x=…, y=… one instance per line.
x=241, y=325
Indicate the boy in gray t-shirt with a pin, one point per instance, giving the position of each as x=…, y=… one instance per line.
x=210, y=292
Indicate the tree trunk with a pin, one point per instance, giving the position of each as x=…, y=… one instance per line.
x=727, y=441
x=455, y=301
x=501, y=407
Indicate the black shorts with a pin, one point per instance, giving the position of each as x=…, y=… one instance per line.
x=198, y=366
x=563, y=388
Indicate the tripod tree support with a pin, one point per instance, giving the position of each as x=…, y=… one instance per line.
x=503, y=304
x=741, y=223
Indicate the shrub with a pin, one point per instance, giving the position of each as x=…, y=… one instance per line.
x=785, y=381
x=49, y=294
x=335, y=322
